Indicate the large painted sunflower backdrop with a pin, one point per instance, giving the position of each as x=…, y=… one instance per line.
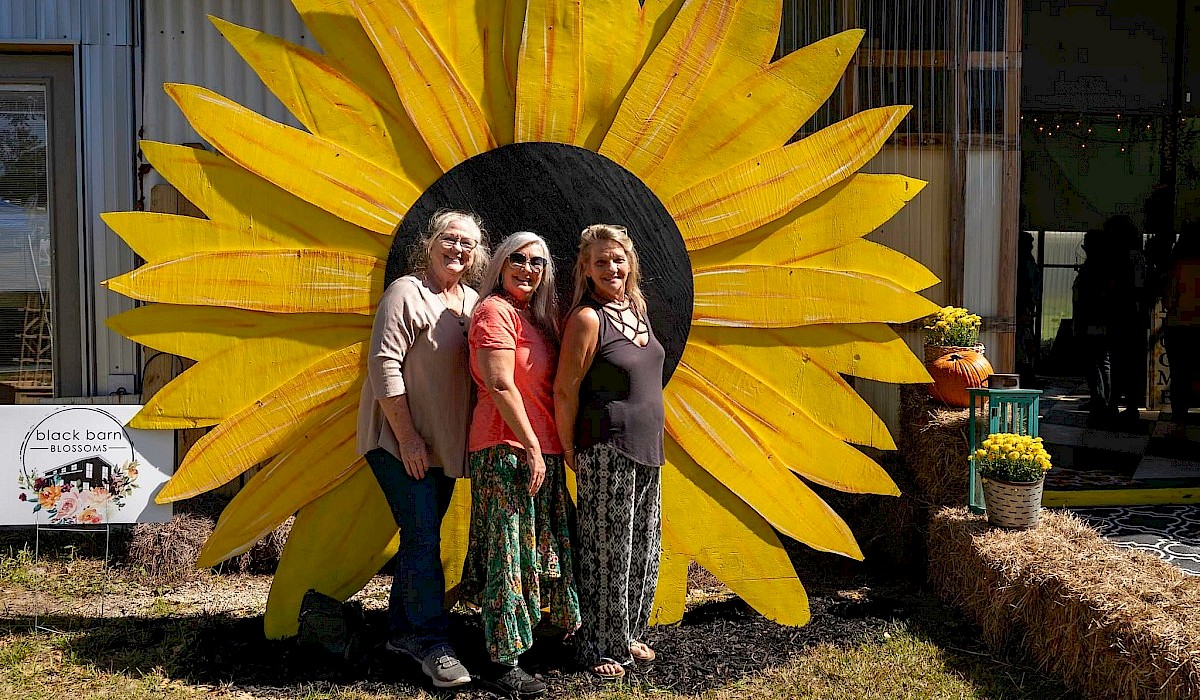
x=547, y=115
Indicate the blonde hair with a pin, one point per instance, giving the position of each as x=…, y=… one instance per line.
x=544, y=303
x=421, y=251
x=618, y=234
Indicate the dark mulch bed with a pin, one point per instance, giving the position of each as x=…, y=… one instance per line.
x=716, y=644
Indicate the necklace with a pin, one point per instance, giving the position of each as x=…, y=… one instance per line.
x=447, y=300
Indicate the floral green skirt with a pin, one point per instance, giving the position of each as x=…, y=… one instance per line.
x=519, y=559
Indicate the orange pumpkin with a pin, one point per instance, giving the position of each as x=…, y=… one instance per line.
x=956, y=372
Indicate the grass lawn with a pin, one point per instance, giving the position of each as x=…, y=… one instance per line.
x=109, y=636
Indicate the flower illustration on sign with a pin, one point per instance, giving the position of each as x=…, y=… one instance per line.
x=86, y=491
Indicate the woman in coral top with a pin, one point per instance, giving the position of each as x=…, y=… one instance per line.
x=519, y=560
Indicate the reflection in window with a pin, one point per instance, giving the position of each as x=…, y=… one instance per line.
x=25, y=267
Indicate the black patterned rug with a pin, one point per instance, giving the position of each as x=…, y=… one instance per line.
x=1171, y=533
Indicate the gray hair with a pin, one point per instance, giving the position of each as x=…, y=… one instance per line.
x=544, y=304
x=418, y=254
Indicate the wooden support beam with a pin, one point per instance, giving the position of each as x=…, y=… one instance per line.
x=160, y=368
x=1010, y=186
x=956, y=262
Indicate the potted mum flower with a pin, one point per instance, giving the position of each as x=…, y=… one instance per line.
x=951, y=329
x=954, y=355
x=1013, y=468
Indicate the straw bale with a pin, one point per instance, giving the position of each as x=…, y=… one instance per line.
x=264, y=556
x=1110, y=622
x=933, y=441
x=167, y=551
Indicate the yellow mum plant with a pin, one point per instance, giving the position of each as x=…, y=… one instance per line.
x=954, y=326
x=1015, y=458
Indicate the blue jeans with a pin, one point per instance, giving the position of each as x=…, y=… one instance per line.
x=416, y=611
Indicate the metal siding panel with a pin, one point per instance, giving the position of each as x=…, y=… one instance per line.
x=981, y=281
x=68, y=19
x=922, y=228
x=182, y=46
x=109, y=176
x=20, y=19
x=107, y=22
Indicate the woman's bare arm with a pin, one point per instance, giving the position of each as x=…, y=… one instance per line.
x=574, y=359
x=496, y=366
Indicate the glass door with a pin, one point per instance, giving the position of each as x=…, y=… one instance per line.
x=40, y=348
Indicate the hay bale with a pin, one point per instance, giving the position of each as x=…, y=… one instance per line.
x=1110, y=622
x=933, y=442
x=167, y=552
x=264, y=556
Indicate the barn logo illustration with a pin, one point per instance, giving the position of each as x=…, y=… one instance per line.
x=78, y=467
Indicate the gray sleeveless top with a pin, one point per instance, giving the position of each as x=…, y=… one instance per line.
x=621, y=396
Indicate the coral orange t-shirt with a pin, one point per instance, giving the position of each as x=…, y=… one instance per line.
x=497, y=324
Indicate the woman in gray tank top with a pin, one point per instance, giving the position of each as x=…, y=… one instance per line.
x=608, y=408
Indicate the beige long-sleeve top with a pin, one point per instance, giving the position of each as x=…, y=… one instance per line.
x=419, y=350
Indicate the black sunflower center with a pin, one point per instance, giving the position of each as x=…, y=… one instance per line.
x=556, y=190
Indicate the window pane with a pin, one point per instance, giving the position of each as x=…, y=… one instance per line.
x=25, y=284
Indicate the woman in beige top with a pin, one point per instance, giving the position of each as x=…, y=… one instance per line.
x=413, y=423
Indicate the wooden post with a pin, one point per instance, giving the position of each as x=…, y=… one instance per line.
x=161, y=368
x=956, y=264
x=1010, y=189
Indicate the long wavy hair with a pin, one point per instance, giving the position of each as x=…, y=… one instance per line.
x=544, y=304
x=422, y=249
x=618, y=234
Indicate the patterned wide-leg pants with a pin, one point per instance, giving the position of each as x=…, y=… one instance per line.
x=620, y=540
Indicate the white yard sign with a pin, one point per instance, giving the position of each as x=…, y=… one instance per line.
x=79, y=465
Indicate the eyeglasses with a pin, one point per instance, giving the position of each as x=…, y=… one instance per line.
x=449, y=242
x=534, y=264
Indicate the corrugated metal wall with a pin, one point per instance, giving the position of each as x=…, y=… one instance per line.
x=102, y=35
x=183, y=46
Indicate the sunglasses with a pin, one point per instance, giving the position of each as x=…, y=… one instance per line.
x=533, y=264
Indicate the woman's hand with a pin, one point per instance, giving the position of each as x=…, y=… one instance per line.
x=569, y=458
x=537, y=471
x=415, y=455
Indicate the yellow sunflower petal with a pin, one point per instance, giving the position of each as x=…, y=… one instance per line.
x=332, y=106
x=744, y=44
x=703, y=423
x=246, y=372
x=336, y=545
x=775, y=297
x=801, y=437
x=870, y=258
x=670, y=597
x=649, y=118
x=761, y=376
x=230, y=194
x=200, y=332
x=321, y=457
x=762, y=189
x=335, y=26
x=157, y=237
x=860, y=256
x=262, y=430
x=294, y=281
x=843, y=213
x=618, y=37
x=867, y=350
x=456, y=528
x=724, y=535
x=742, y=114
x=550, y=72
x=316, y=170
x=480, y=39
x=441, y=107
